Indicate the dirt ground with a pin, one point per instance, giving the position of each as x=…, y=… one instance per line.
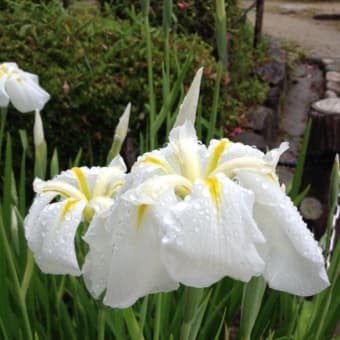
x=319, y=37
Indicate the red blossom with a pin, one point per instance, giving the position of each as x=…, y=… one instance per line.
x=182, y=5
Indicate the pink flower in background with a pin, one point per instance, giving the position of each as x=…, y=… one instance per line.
x=66, y=87
x=182, y=5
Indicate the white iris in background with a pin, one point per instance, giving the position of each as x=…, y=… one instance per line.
x=21, y=89
x=85, y=194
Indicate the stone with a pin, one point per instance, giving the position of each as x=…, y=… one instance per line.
x=292, y=8
x=327, y=106
x=273, y=99
x=330, y=94
x=252, y=139
x=273, y=72
x=261, y=121
x=333, y=86
x=327, y=61
x=335, y=66
x=311, y=208
x=333, y=76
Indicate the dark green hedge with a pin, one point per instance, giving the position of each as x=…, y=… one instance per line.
x=94, y=64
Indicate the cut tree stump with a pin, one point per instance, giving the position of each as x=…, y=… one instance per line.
x=325, y=134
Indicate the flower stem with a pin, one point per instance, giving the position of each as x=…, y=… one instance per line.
x=158, y=316
x=216, y=98
x=101, y=322
x=28, y=273
x=132, y=325
x=152, y=99
x=192, y=298
x=3, y=116
x=11, y=266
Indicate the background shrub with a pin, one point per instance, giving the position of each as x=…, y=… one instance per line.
x=93, y=64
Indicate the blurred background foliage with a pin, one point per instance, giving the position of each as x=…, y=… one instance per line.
x=93, y=63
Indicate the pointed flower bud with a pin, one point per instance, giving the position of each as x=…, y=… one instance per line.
x=38, y=129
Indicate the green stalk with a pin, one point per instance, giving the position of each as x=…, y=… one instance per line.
x=216, y=98
x=221, y=40
x=28, y=273
x=192, y=299
x=251, y=302
x=167, y=14
x=158, y=316
x=132, y=325
x=152, y=99
x=3, y=115
x=101, y=322
x=13, y=273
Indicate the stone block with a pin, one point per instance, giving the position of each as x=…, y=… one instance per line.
x=333, y=86
x=330, y=94
x=252, y=139
x=261, y=121
x=333, y=76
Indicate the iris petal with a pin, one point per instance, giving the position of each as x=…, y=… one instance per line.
x=97, y=262
x=25, y=94
x=294, y=262
x=4, y=98
x=54, y=249
x=136, y=268
x=202, y=243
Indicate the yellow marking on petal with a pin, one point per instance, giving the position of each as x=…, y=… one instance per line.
x=84, y=188
x=271, y=177
x=112, y=189
x=230, y=167
x=88, y=213
x=182, y=191
x=140, y=214
x=67, y=208
x=63, y=189
x=19, y=80
x=274, y=179
x=216, y=155
x=215, y=190
x=3, y=70
x=157, y=162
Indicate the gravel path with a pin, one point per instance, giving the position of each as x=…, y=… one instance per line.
x=321, y=38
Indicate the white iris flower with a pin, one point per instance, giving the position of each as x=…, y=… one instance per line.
x=209, y=223
x=293, y=259
x=193, y=215
x=21, y=89
x=226, y=215
x=86, y=194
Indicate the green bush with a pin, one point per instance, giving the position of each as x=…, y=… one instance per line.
x=94, y=64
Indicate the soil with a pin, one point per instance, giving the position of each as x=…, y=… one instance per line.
x=321, y=38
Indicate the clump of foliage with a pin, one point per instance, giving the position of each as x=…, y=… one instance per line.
x=94, y=63
x=92, y=66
